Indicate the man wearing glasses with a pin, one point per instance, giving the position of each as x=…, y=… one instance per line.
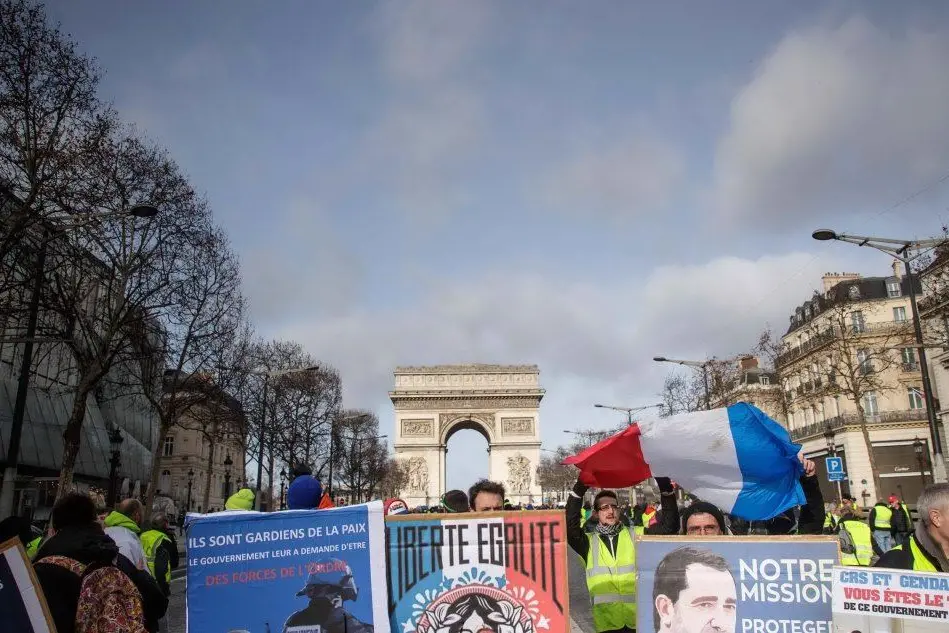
x=610, y=554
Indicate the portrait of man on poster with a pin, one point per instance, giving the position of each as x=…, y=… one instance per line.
x=694, y=592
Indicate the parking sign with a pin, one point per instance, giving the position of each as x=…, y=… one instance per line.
x=835, y=469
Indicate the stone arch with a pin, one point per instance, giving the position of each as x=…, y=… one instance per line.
x=500, y=402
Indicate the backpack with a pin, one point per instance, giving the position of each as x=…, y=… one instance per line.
x=109, y=602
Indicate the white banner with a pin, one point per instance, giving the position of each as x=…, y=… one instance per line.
x=890, y=600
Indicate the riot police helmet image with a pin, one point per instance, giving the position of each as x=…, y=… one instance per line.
x=694, y=592
x=327, y=588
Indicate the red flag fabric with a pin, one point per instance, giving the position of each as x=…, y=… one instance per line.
x=325, y=502
x=616, y=462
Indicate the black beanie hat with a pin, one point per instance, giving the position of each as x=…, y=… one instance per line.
x=703, y=507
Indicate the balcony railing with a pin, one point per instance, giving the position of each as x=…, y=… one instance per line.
x=832, y=333
x=852, y=419
x=910, y=367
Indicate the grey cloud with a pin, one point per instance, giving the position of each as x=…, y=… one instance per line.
x=621, y=179
x=599, y=336
x=836, y=120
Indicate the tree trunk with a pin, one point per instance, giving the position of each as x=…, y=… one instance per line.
x=208, y=473
x=878, y=488
x=270, y=489
x=72, y=438
x=164, y=425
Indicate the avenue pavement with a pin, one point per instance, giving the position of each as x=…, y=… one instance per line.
x=579, y=600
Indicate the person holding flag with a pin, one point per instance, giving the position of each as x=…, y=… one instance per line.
x=609, y=552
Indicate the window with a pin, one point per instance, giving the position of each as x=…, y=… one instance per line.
x=765, y=380
x=908, y=355
x=164, y=484
x=915, y=398
x=866, y=365
x=899, y=314
x=870, y=406
x=168, y=449
x=854, y=292
x=856, y=320
x=893, y=288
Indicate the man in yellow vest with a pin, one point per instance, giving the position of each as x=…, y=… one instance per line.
x=610, y=555
x=161, y=551
x=928, y=548
x=881, y=524
x=857, y=547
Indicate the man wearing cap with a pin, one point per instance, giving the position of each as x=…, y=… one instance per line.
x=327, y=588
x=902, y=523
x=393, y=507
x=455, y=501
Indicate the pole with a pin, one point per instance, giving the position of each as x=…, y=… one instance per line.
x=23, y=384
x=939, y=463
x=708, y=405
x=840, y=492
x=190, y=483
x=632, y=489
x=260, y=452
x=113, y=468
x=329, y=488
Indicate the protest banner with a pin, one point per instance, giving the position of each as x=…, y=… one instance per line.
x=483, y=572
x=300, y=571
x=741, y=584
x=890, y=600
x=22, y=602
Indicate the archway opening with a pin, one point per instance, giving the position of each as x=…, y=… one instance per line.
x=467, y=456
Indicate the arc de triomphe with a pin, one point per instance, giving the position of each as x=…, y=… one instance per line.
x=499, y=401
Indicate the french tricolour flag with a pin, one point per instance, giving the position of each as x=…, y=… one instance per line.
x=736, y=458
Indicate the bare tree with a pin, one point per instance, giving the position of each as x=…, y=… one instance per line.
x=681, y=394
x=204, y=313
x=306, y=406
x=854, y=359
x=554, y=475
x=769, y=348
x=50, y=119
x=362, y=453
x=394, y=479
x=108, y=278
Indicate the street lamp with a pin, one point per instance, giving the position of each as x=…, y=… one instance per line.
x=227, y=475
x=629, y=410
x=283, y=482
x=899, y=250
x=190, y=483
x=26, y=362
x=115, y=442
x=918, y=448
x=332, y=434
x=829, y=437
x=703, y=365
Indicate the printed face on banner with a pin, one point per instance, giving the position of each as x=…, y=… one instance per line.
x=302, y=571
x=728, y=585
x=478, y=575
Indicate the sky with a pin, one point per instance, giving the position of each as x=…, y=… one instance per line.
x=581, y=186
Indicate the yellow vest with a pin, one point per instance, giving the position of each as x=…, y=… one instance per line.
x=830, y=521
x=920, y=561
x=33, y=546
x=150, y=542
x=862, y=539
x=612, y=582
x=884, y=518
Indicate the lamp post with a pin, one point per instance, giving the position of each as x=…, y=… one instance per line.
x=332, y=434
x=899, y=250
x=283, y=482
x=829, y=437
x=190, y=484
x=634, y=497
x=26, y=362
x=703, y=365
x=227, y=475
x=918, y=448
x=115, y=442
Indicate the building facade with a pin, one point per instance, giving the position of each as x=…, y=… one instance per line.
x=849, y=360
x=757, y=386
x=934, y=314
x=203, y=456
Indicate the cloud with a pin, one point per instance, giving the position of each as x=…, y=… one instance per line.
x=836, y=120
x=424, y=41
x=620, y=180
x=592, y=340
x=300, y=266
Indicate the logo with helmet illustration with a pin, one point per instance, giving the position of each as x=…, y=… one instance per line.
x=329, y=578
x=395, y=506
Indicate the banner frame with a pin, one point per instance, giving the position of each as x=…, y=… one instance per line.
x=14, y=543
x=497, y=514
